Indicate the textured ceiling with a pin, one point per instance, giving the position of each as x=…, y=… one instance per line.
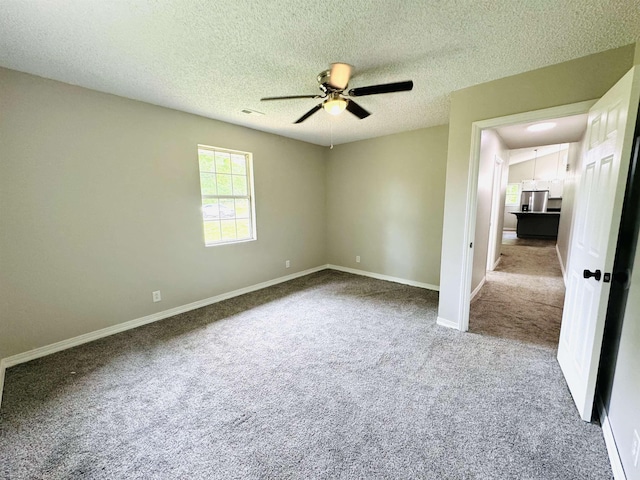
x=216, y=58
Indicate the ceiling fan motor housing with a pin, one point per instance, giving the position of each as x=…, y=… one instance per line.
x=325, y=86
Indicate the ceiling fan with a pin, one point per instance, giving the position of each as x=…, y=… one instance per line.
x=333, y=83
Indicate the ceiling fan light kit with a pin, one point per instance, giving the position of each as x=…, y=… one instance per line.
x=333, y=83
x=335, y=105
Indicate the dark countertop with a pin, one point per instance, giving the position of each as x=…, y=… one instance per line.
x=535, y=213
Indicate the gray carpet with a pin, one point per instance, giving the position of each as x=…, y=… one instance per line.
x=522, y=298
x=327, y=376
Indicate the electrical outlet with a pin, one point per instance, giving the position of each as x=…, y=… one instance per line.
x=635, y=448
x=357, y=258
x=156, y=296
x=287, y=264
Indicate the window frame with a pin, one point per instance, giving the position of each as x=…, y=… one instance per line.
x=517, y=202
x=250, y=196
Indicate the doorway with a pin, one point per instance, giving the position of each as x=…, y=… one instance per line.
x=517, y=287
x=477, y=130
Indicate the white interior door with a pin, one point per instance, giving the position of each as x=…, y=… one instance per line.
x=604, y=169
x=494, y=234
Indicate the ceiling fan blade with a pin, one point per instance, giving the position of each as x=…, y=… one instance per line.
x=357, y=110
x=290, y=97
x=340, y=75
x=309, y=113
x=382, y=88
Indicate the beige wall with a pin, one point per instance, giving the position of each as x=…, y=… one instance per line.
x=491, y=147
x=570, y=82
x=385, y=202
x=100, y=205
x=571, y=180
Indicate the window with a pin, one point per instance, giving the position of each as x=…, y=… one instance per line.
x=513, y=194
x=226, y=185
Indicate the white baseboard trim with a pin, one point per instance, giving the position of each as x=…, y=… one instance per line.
x=495, y=265
x=121, y=327
x=610, y=442
x=447, y=323
x=388, y=278
x=2, y=369
x=478, y=288
x=564, y=273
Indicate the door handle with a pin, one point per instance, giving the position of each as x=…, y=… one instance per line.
x=588, y=274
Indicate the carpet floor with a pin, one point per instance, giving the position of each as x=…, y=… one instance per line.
x=327, y=376
x=523, y=297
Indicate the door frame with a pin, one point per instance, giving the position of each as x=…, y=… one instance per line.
x=496, y=209
x=472, y=187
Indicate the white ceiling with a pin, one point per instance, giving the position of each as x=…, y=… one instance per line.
x=523, y=154
x=567, y=130
x=216, y=58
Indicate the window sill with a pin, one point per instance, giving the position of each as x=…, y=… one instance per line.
x=231, y=242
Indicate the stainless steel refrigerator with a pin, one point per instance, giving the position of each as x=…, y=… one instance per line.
x=534, y=200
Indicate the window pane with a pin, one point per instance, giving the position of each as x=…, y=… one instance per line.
x=210, y=210
x=244, y=228
x=513, y=194
x=206, y=159
x=211, y=232
x=239, y=185
x=227, y=209
x=242, y=208
x=238, y=164
x=208, y=183
x=223, y=162
x=224, y=184
x=228, y=229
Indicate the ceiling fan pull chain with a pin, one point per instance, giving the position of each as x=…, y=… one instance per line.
x=331, y=133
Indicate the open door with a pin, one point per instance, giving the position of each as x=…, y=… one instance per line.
x=495, y=234
x=604, y=169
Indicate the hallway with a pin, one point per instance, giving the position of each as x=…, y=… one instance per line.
x=522, y=298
